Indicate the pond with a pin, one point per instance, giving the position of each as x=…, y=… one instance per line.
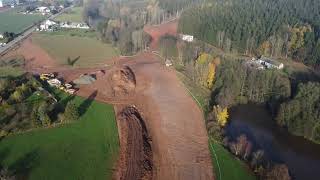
x=300, y=155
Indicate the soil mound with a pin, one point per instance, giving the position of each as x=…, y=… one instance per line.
x=123, y=81
x=136, y=153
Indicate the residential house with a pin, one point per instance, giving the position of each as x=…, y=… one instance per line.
x=47, y=25
x=1, y=36
x=270, y=64
x=73, y=25
x=1, y=4
x=43, y=9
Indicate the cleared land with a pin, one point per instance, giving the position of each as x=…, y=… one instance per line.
x=226, y=166
x=85, y=149
x=12, y=21
x=85, y=51
x=72, y=15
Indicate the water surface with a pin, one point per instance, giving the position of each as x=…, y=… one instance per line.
x=301, y=156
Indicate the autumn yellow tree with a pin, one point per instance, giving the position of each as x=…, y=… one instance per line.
x=297, y=37
x=212, y=72
x=221, y=114
x=211, y=75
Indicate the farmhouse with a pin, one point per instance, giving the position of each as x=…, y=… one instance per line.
x=74, y=25
x=43, y=9
x=187, y=38
x=270, y=64
x=47, y=25
x=264, y=63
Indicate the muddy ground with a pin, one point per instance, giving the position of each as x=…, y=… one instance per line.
x=162, y=130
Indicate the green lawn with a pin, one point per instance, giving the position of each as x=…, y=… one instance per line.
x=85, y=149
x=73, y=15
x=85, y=51
x=12, y=21
x=226, y=166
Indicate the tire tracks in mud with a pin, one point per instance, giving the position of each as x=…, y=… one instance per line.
x=135, y=161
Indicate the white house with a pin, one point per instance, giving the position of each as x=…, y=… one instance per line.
x=270, y=64
x=187, y=38
x=1, y=36
x=43, y=9
x=74, y=25
x=47, y=25
x=1, y=4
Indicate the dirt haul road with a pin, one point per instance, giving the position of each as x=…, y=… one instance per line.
x=162, y=130
x=174, y=121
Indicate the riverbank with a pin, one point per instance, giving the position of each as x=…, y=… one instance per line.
x=300, y=155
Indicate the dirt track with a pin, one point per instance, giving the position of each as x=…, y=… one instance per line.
x=175, y=126
x=157, y=31
x=135, y=160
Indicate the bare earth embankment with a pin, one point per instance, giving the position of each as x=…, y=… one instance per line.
x=162, y=130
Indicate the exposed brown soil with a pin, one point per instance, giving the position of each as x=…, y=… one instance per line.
x=35, y=56
x=135, y=161
x=123, y=81
x=157, y=31
x=172, y=119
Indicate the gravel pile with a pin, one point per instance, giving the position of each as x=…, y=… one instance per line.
x=85, y=79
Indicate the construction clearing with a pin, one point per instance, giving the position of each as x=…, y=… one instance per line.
x=157, y=140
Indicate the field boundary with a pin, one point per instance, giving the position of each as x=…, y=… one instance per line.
x=216, y=158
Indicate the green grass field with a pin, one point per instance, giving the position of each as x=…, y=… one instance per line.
x=85, y=149
x=226, y=166
x=73, y=15
x=12, y=21
x=86, y=51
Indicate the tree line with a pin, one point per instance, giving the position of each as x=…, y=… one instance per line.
x=277, y=28
x=301, y=114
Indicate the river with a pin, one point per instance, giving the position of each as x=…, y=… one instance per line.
x=300, y=155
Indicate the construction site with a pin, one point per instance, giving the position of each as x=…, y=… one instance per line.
x=157, y=141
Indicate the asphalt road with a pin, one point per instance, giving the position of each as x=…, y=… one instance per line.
x=26, y=33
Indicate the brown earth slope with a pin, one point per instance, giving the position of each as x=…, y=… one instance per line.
x=168, y=118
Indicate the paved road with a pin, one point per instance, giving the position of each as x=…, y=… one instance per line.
x=26, y=33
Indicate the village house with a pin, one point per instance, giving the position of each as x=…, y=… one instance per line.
x=73, y=25
x=270, y=64
x=47, y=25
x=43, y=9
x=264, y=63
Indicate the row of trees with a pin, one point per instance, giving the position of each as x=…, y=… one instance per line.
x=119, y=23
x=286, y=28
